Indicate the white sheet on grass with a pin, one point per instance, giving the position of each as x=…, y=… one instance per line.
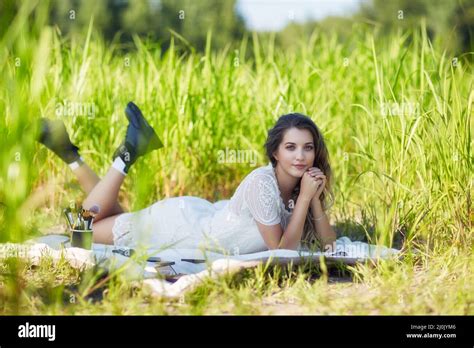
x=145, y=273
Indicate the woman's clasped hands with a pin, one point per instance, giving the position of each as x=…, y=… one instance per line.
x=313, y=183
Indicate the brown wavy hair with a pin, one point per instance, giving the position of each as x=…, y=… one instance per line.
x=321, y=160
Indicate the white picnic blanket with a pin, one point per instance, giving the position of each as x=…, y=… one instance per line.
x=147, y=274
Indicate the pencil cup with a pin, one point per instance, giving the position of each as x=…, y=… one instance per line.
x=81, y=239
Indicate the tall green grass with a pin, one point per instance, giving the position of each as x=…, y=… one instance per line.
x=396, y=113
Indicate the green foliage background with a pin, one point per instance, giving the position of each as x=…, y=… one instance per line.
x=402, y=175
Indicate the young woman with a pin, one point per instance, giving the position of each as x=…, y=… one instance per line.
x=281, y=205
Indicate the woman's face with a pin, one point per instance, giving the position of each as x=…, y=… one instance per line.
x=296, y=152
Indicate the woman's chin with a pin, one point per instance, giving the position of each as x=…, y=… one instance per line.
x=297, y=173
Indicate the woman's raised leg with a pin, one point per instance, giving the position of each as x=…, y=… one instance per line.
x=88, y=179
x=140, y=139
x=104, y=194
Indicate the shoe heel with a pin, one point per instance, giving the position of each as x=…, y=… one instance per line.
x=155, y=143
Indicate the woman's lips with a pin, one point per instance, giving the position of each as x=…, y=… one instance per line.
x=299, y=166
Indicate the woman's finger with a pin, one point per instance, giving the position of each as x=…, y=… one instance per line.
x=319, y=176
x=321, y=182
x=315, y=172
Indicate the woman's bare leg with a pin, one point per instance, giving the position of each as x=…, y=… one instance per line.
x=88, y=179
x=104, y=194
x=102, y=230
x=140, y=139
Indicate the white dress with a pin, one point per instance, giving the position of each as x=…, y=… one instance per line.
x=225, y=226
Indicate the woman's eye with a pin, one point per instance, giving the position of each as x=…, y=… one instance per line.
x=291, y=147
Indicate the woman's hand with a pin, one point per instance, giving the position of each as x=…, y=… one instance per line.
x=318, y=176
x=309, y=186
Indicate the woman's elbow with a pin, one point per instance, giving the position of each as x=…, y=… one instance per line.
x=281, y=246
x=329, y=244
x=273, y=247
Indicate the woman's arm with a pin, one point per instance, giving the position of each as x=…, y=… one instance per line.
x=324, y=231
x=294, y=231
x=291, y=237
x=276, y=238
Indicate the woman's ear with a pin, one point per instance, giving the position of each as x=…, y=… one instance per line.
x=274, y=155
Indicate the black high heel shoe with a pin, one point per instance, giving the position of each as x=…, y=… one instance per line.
x=140, y=139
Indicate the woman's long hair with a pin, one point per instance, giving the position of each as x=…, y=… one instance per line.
x=321, y=160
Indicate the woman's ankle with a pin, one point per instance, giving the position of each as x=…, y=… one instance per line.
x=76, y=164
x=119, y=165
